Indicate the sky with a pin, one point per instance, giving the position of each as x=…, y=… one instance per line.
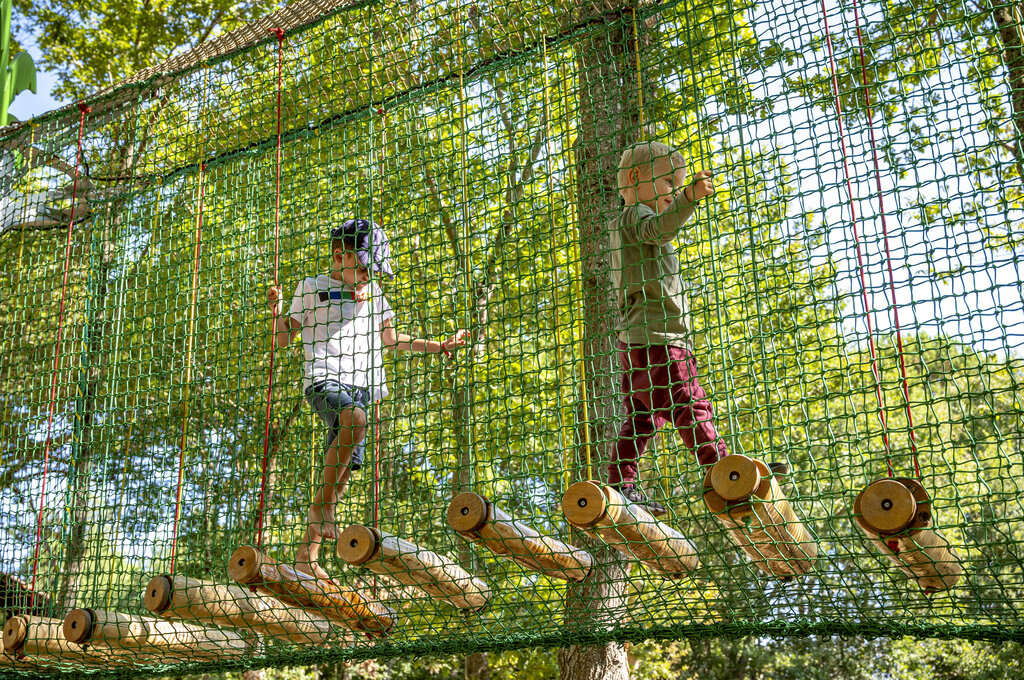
x=27, y=105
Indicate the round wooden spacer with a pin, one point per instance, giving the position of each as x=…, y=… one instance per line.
x=244, y=565
x=15, y=632
x=887, y=506
x=735, y=477
x=584, y=504
x=923, y=512
x=357, y=544
x=468, y=512
x=78, y=626
x=158, y=594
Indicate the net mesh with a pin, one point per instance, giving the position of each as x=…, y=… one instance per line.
x=854, y=292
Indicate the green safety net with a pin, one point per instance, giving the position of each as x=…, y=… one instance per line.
x=855, y=311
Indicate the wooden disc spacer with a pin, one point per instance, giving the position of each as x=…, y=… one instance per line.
x=357, y=544
x=78, y=626
x=468, y=512
x=584, y=504
x=15, y=632
x=158, y=594
x=886, y=506
x=244, y=565
x=735, y=477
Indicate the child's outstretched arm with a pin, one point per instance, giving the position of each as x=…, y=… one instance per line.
x=664, y=227
x=406, y=343
x=285, y=327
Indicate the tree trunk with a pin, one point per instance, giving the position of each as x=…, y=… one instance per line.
x=608, y=121
x=477, y=667
x=96, y=344
x=87, y=430
x=1008, y=21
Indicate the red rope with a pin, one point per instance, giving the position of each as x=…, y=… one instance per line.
x=856, y=240
x=277, y=261
x=376, y=423
x=191, y=332
x=885, y=238
x=60, y=329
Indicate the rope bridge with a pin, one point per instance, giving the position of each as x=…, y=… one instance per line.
x=855, y=318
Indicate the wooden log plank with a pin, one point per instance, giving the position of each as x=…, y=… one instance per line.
x=39, y=642
x=117, y=630
x=477, y=519
x=896, y=517
x=249, y=567
x=438, y=576
x=181, y=597
x=602, y=512
x=746, y=499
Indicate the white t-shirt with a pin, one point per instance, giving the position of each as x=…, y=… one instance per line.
x=341, y=336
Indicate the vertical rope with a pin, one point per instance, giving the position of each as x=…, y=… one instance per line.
x=639, y=75
x=466, y=247
x=277, y=263
x=24, y=207
x=554, y=249
x=373, y=302
x=376, y=414
x=885, y=239
x=856, y=241
x=83, y=109
x=735, y=443
x=756, y=276
x=189, y=360
x=577, y=286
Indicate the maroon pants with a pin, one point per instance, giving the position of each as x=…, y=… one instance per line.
x=659, y=385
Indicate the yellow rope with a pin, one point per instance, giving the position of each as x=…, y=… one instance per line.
x=120, y=492
x=639, y=74
x=464, y=143
x=555, y=249
x=192, y=313
x=577, y=288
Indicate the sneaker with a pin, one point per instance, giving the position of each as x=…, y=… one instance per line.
x=637, y=497
x=779, y=468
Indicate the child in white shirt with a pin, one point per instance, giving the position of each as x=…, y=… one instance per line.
x=345, y=322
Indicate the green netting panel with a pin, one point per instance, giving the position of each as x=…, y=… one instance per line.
x=867, y=165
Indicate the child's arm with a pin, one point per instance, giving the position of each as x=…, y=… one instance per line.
x=285, y=327
x=406, y=343
x=664, y=227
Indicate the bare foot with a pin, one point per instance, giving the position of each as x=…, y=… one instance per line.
x=321, y=522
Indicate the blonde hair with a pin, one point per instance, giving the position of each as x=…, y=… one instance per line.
x=642, y=156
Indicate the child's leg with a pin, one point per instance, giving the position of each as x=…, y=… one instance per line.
x=692, y=413
x=338, y=466
x=346, y=429
x=641, y=422
x=636, y=431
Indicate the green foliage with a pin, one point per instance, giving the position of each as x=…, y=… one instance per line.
x=458, y=129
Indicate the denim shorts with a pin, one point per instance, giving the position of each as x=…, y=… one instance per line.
x=328, y=399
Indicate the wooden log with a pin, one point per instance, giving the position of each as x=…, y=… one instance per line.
x=407, y=563
x=476, y=518
x=602, y=512
x=142, y=634
x=39, y=642
x=181, y=597
x=745, y=498
x=249, y=567
x=896, y=516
